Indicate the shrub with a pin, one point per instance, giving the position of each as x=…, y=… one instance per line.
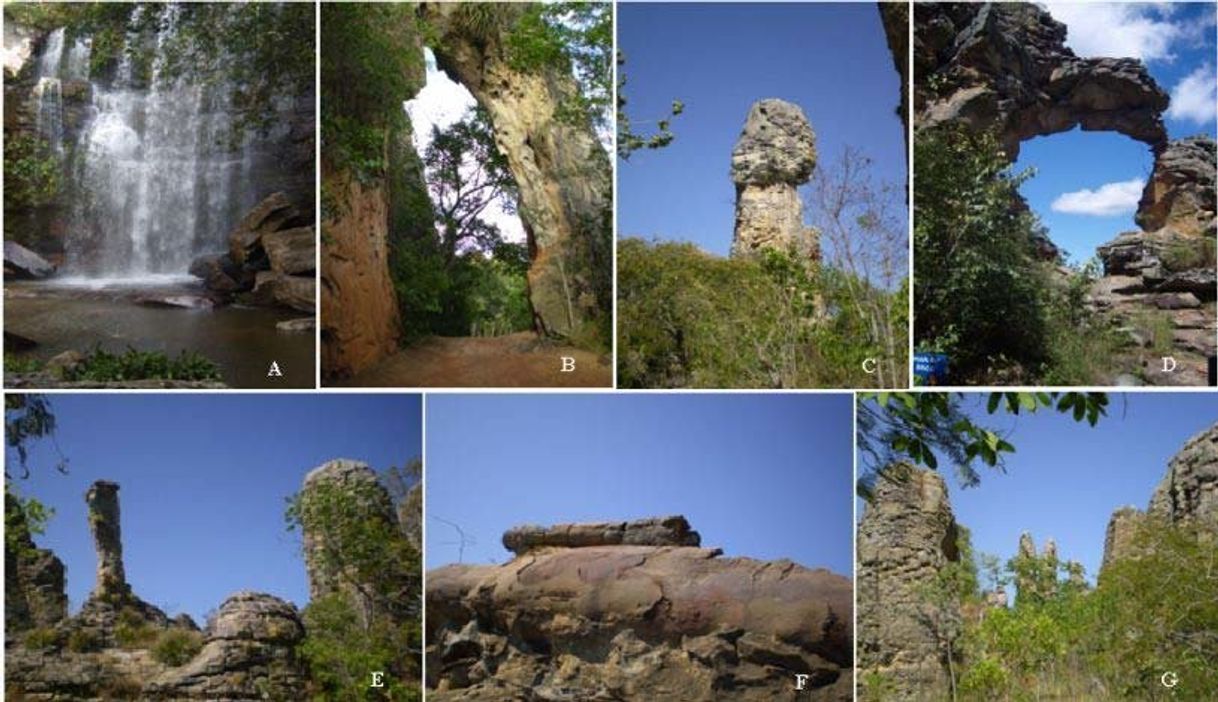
x=103, y=366
x=84, y=640
x=32, y=172
x=1187, y=254
x=133, y=631
x=174, y=647
x=43, y=637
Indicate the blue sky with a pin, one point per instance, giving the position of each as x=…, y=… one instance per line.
x=830, y=59
x=1066, y=478
x=764, y=476
x=203, y=479
x=1088, y=183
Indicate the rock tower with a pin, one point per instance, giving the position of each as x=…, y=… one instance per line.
x=102, y=499
x=775, y=154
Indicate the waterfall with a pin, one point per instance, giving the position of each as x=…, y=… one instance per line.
x=48, y=92
x=159, y=163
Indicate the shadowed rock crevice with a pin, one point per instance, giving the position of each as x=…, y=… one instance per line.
x=634, y=611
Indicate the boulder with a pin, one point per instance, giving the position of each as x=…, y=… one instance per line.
x=220, y=274
x=657, y=531
x=189, y=302
x=22, y=264
x=300, y=324
x=636, y=622
x=1175, y=301
x=292, y=291
x=291, y=251
x=275, y=212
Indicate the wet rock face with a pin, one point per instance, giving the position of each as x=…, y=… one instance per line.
x=1005, y=66
x=102, y=499
x=1189, y=491
x=907, y=534
x=657, y=531
x=1180, y=193
x=775, y=154
x=636, y=622
x=560, y=167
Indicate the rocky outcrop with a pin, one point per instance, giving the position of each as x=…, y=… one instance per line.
x=248, y=654
x=636, y=622
x=775, y=154
x=657, y=531
x=271, y=256
x=560, y=167
x=248, y=650
x=906, y=536
x=34, y=594
x=1180, y=193
x=1186, y=496
x=1005, y=67
x=1189, y=491
x=895, y=18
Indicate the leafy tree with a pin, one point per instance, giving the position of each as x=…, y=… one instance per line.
x=913, y=426
x=979, y=294
x=628, y=140
x=466, y=175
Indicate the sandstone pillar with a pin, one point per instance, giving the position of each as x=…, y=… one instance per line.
x=102, y=499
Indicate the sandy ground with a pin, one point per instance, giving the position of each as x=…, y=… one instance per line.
x=516, y=360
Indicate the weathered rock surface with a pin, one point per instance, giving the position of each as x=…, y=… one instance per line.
x=22, y=264
x=34, y=594
x=295, y=292
x=291, y=251
x=560, y=167
x=895, y=17
x=359, y=313
x=1119, y=536
x=1189, y=491
x=248, y=654
x=906, y=536
x=1005, y=66
x=637, y=622
x=775, y=154
x=1181, y=193
x=657, y=531
x=275, y=212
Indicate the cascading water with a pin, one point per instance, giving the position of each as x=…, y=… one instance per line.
x=48, y=92
x=159, y=162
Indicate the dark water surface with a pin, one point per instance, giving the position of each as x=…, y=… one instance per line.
x=242, y=340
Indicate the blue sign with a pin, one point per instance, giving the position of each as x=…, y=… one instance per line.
x=931, y=368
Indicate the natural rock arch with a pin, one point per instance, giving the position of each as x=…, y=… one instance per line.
x=559, y=165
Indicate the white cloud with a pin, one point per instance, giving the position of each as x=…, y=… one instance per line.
x=1195, y=97
x=1108, y=200
x=1118, y=29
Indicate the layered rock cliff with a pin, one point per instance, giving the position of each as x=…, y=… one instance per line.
x=635, y=611
x=774, y=155
x=906, y=536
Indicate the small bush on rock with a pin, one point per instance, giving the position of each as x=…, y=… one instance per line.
x=175, y=647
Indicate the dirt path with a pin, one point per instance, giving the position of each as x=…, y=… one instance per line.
x=515, y=360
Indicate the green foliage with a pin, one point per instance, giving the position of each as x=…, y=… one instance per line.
x=371, y=61
x=103, y=366
x=27, y=418
x=33, y=175
x=979, y=294
x=24, y=518
x=372, y=620
x=21, y=365
x=628, y=140
x=43, y=637
x=689, y=319
x=340, y=653
x=896, y=427
x=1188, y=254
x=84, y=641
x=175, y=647
x=131, y=630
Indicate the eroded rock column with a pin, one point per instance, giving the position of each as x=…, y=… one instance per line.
x=102, y=499
x=774, y=155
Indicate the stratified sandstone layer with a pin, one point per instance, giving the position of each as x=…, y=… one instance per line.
x=657, y=531
x=775, y=154
x=906, y=536
x=636, y=622
x=1005, y=66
